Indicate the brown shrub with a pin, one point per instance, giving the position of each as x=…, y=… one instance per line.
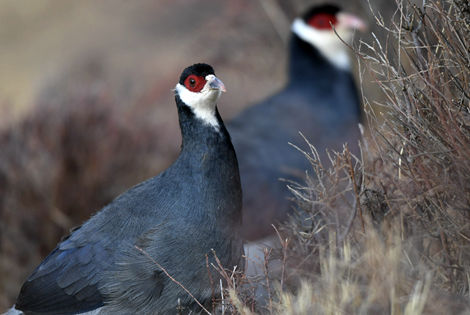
x=69, y=157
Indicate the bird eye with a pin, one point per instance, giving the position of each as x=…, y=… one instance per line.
x=194, y=83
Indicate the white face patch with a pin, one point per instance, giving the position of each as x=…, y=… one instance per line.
x=326, y=41
x=202, y=103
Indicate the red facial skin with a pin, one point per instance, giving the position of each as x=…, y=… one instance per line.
x=323, y=21
x=194, y=83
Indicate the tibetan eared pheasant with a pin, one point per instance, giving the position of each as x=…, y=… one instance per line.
x=109, y=264
x=320, y=100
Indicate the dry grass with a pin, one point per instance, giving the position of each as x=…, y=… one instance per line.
x=424, y=142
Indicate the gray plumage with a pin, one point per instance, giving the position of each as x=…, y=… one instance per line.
x=176, y=218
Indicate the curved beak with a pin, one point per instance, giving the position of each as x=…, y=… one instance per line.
x=215, y=84
x=349, y=21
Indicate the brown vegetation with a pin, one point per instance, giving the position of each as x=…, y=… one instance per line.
x=54, y=173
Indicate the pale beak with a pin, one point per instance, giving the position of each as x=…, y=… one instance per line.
x=215, y=83
x=349, y=21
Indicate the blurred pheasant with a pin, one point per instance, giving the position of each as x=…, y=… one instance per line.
x=320, y=100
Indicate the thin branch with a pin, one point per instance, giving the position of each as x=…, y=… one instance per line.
x=172, y=279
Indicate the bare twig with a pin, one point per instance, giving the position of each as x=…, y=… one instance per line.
x=355, y=187
x=211, y=280
x=173, y=279
x=284, y=245
x=267, y=253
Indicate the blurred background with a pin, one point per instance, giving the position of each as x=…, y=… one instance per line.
x=86, y=107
